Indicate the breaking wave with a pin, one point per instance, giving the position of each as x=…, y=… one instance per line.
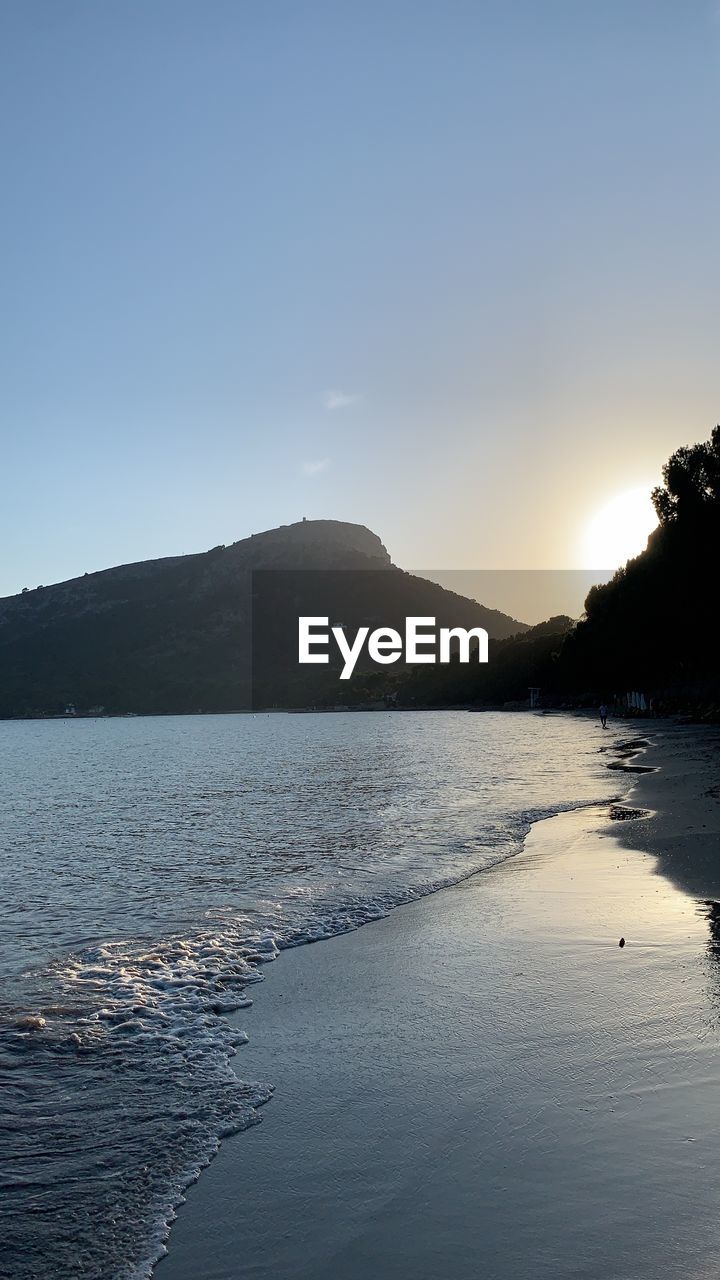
x=116, y=1057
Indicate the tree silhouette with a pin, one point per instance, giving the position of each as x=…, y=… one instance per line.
x=692, y=483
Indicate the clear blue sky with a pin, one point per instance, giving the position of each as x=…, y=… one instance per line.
x=449, y=269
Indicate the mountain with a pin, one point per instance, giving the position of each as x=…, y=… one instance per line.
x=176, y=634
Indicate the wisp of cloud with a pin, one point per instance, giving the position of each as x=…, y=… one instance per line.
x=314, y=467
x=337, y=400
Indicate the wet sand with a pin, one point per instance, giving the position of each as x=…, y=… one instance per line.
x=485, y=1083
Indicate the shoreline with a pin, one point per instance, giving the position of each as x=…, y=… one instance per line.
x=683, y=799
x=588, y=711
x=262, y=1167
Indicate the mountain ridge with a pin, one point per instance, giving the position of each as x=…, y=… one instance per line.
x=174, y=633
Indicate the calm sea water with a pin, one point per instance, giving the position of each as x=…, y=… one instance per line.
x=149, y=868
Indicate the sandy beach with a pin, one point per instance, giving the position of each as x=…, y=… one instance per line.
x=485, y=1083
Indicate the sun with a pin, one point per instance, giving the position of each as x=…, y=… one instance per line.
x=619, y=530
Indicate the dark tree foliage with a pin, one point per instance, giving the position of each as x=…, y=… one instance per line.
x=515, y=662
x=653, y=627
x=691, y=492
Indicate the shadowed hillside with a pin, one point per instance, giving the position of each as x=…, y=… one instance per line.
x=174, y=634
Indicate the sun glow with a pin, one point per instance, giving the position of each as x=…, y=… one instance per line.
x=619, y=530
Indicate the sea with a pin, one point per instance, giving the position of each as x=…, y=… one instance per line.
x=151, y=868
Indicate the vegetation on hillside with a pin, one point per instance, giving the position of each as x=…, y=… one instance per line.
x=652, y=628
x=175, y=635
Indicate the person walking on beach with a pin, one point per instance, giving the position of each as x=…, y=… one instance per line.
x=603, y=716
